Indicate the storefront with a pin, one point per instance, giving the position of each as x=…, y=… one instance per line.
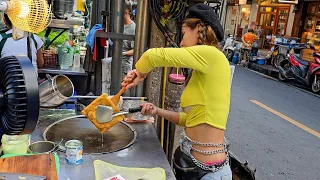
x=274, y=19
x=237, y=20
x=310, y=21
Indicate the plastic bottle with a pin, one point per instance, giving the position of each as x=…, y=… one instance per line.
x=65, y=55
x=76, y=57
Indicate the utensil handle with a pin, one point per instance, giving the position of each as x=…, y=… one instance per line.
x=49, y=77
x=136, y=109
x=123, y=97
x=122, y=90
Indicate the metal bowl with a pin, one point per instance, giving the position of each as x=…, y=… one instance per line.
x=42, y=147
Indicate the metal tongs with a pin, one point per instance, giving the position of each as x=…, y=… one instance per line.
x=105, y=113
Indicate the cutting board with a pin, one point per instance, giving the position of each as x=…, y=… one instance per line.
x=42, y=165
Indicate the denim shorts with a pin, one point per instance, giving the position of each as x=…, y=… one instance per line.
x=224, y=173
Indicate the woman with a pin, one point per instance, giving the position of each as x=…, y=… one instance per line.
x=10, y=47
x=205, y=100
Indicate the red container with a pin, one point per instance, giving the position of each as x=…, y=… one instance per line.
x=177, y=78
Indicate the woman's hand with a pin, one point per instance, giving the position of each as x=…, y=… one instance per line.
x=133, y=78
x=149, y=109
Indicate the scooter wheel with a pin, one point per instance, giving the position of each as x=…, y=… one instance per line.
x=278, y=59
x=315, y=87
x=281, y=77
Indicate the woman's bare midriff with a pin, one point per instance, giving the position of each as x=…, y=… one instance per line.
x=206, y=134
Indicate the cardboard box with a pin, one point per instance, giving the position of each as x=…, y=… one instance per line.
x=306, y=54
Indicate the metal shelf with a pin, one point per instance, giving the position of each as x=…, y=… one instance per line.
x=113, y=35
x=65, y=24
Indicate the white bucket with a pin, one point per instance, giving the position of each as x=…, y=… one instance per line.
x=15, y=144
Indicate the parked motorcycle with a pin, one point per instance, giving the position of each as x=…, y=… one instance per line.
x=228, y=48
x=301, y=71
x=279, y=51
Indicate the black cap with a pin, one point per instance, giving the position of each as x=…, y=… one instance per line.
x=206, y=14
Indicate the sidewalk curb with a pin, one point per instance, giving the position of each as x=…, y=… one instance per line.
x=267, y=70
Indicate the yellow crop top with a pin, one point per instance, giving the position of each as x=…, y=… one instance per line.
x=208, y=91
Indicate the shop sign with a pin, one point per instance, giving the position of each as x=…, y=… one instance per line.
x=231, y=2
x=236, y=2
x=242, y=2
x=288, y=1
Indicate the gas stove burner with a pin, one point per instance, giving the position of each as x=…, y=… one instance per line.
x=19, y=96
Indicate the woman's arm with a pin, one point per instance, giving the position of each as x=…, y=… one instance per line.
x=40, y=61
x=174, y=117
x=169, y=115
x=128, y=53
x=195, y=57
x=242, y=39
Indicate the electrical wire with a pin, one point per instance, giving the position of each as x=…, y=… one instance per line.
x=172, y=7
x=155, y=10
x=156, y=14
x=181, y=10
x=156, y=18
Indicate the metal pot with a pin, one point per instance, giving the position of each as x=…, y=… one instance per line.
x=43, y=147
x=55, y=91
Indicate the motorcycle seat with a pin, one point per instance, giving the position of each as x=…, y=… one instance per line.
x=301, y=61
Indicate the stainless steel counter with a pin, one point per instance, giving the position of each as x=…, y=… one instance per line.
x=71, y=71
x=65, y=24
x=145, y=152
x=81, y=84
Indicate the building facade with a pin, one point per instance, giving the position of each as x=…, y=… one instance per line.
x=267, y=17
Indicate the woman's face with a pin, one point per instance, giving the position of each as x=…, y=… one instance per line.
x=189, y=36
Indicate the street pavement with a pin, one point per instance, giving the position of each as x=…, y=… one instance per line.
x=275, y=127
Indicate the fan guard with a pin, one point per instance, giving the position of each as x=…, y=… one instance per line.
x=19, y=96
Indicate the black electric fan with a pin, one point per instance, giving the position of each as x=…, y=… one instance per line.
x=19, y=96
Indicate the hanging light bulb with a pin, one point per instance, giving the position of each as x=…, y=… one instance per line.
x=24, y=10
x=28, y=15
